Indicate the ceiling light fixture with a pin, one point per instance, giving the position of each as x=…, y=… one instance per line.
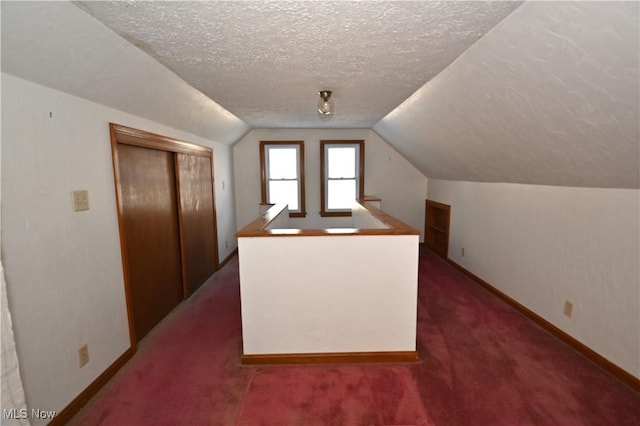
x=325, y=105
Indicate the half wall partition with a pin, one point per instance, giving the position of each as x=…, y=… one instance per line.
x=328, y=295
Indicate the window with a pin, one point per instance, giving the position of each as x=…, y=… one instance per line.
x=342, y=176
x=282, y=174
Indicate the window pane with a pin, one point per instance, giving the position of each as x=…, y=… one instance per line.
x=284, y=192
x=283, y=163
x=342, y=194
x=342, y=162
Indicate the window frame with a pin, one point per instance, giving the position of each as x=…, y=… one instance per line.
x=299, y=145
x=324, y=175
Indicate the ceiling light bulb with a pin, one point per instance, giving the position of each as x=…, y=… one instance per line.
x=325, y=104
x=324, y=107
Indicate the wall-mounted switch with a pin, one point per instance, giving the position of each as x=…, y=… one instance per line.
x=80, y=200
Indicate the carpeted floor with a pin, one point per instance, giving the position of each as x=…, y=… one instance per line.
x=481, y=363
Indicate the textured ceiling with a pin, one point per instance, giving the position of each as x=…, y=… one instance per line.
x=265, y=61
x=551, y=96
x=55, y=44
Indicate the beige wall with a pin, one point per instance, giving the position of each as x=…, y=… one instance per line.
x=63, y=268
x=542, y=245
x=346, y=305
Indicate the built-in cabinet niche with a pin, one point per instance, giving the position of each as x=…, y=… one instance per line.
x=436, y=227
x=167, y=222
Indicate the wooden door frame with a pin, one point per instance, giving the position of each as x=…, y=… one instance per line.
x=129, y=136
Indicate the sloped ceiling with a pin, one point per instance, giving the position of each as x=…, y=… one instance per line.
x=550, y=96
x=265, y=61
x=55, y=44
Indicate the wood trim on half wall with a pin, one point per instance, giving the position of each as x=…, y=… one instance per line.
x=330, y=358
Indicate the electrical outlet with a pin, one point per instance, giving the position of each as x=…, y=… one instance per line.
x=568, y=308
x=462, y=252
x=80, y=200
x=226, y=244
x=83, y=355
x=223, y=185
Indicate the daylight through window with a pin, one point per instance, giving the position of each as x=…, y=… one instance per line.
x=282, y=170
x=342, y=176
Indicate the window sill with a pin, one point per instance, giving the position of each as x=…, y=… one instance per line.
x=297, y=214
x=335, y=214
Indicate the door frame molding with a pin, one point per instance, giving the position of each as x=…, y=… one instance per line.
x=120, y=134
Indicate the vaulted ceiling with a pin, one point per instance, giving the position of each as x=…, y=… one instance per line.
x=266, y=61
x=550, y=96
x=540, y=92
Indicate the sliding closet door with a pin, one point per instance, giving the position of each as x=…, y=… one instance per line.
x=151, y=234
x=197, y=219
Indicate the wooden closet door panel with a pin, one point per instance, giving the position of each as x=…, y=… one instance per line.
x=152, y=240
x=197, y=219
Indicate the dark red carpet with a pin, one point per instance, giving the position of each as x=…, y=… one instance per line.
x=481, y=363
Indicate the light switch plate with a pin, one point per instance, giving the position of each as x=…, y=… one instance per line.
x=80, y=200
